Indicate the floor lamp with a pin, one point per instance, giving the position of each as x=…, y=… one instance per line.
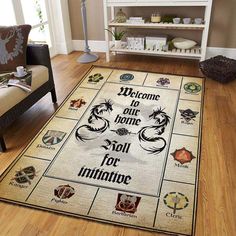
x=87, y=57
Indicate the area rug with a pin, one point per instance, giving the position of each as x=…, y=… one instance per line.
x=123, y=148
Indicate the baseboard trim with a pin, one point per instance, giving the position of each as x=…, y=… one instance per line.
x=64, y=48
x=100, y=46
x=227, y=52
x=95, y=46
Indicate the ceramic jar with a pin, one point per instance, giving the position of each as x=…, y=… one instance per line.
x=120, y=17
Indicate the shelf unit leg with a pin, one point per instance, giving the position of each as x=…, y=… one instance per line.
x=2, y=144
x=206, y=30
x=106, y=32
x=113, y=28
x=107, y=57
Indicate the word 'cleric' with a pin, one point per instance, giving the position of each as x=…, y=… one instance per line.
x=129, y=92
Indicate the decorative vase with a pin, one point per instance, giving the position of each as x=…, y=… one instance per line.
x=156, y=18
x=120, y=17
x=118, y=43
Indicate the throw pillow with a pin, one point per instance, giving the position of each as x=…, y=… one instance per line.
x=182, y=43
x=13, y=45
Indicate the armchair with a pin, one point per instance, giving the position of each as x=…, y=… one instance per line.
x=15, y=102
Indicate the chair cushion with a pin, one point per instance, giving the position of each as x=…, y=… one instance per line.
x=13, y=44
x=13, y=95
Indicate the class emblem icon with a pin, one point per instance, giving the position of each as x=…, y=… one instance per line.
x=126, y=77
x=188, y=115
x=95, y=78
x=53, y=137
x=25, y=175
x=64, y=191
x=192, y=88
x=77, y=103
x=127, y=203
x=163, y=82
x=183, y=156
x=176, y=201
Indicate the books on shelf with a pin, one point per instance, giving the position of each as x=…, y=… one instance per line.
x=156, y=43
x=8, y=79
x=136, y=43
x=148, y=43
x=135, y=20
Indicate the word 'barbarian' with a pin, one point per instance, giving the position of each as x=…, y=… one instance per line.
x=100, y=174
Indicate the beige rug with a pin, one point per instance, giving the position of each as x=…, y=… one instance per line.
x=123, y=148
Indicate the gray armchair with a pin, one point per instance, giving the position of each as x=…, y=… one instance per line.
x=42, y=82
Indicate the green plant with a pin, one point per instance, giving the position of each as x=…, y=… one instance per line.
x=168, y=18
x=39, y=13
x=170, y=45
x=117, y=35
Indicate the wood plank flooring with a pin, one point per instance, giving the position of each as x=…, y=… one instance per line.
x=216, y=211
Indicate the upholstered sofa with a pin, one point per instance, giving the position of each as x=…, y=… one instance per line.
x=14, y=101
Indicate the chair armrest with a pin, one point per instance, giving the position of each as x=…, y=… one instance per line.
x=38, y=54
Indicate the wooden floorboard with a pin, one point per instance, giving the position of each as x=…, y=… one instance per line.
x=216, y=210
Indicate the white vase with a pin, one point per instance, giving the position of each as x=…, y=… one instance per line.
x=118, y=43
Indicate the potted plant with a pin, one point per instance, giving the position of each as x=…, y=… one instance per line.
x=117, y=36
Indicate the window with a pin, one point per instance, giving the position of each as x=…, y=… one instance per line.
x=49, y=20
x=7, y=15
x=35, y=14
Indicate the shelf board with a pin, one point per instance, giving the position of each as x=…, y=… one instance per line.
x=191, y=53
x=159, y=26
x=158, y=3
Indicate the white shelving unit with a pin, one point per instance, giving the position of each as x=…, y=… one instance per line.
x=159, y=26
x=196, y=53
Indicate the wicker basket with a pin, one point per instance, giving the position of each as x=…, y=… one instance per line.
x=219, y=68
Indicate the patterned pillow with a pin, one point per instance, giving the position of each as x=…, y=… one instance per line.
x=13, y=44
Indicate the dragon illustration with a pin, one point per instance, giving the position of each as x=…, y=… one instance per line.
x=151, y=134
x=100, y=124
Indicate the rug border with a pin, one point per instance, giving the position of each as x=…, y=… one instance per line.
x=60, y=212
x=94, y=219
x=145, y=71
x=199, y=159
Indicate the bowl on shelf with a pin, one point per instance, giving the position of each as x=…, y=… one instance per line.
x=176, y=20
x=182, y=43
x=198, y=21
x=187, y=20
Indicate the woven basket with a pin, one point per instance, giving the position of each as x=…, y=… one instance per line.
x=219, y=68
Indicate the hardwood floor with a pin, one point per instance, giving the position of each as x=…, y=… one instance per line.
x=216, y=214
